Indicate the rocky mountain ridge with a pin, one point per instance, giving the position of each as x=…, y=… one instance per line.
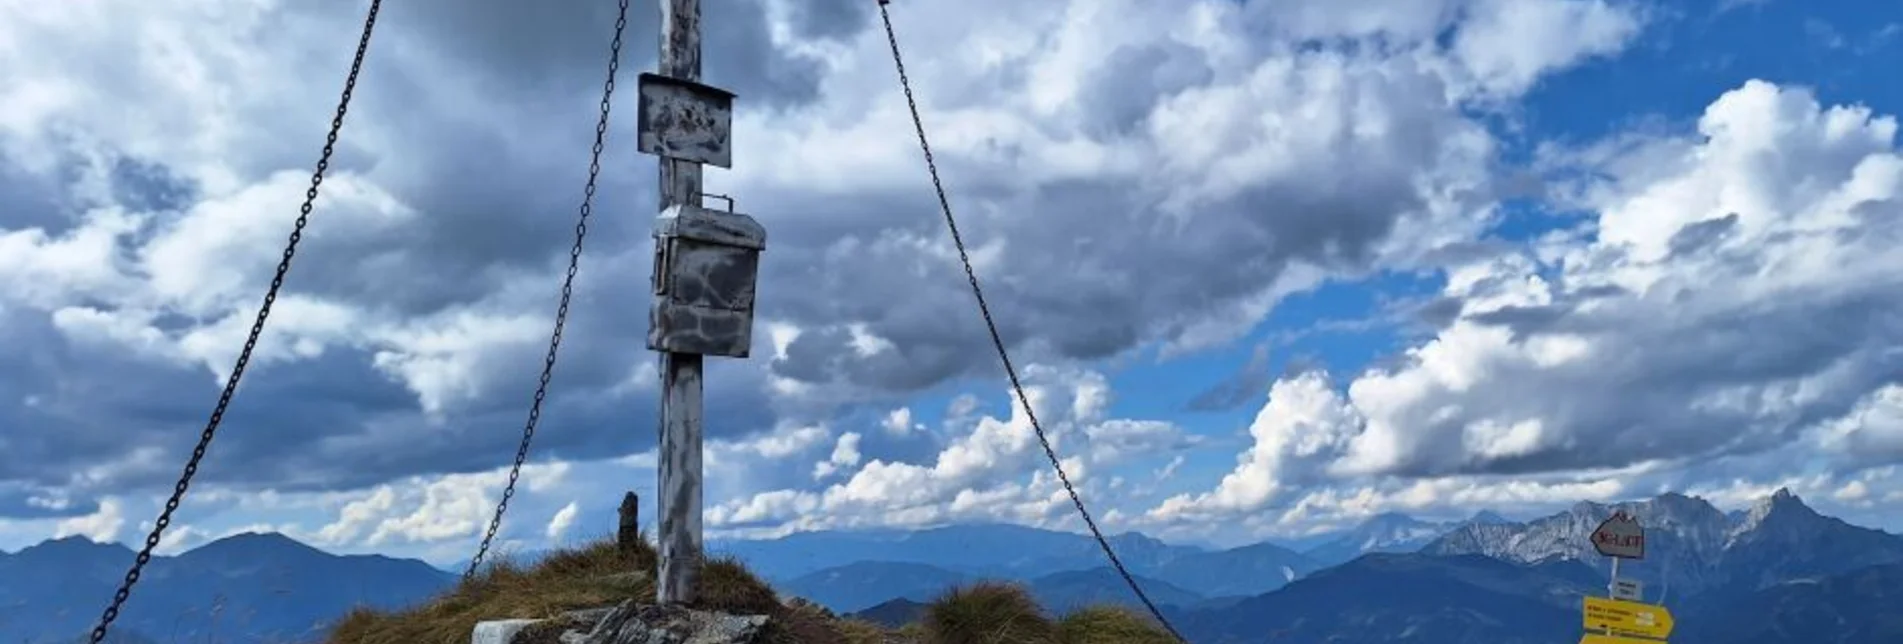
x=1389, y=532
x=1691, y=546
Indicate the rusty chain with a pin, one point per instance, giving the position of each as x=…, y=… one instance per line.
x=997, y=340
x=251, y=341
x=568, y=290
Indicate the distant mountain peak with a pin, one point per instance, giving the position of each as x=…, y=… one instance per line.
x=1488, y=517
x=1137, y=537
x=1677, y=501
x=1781, y=500
x=258, y=537
x=72, y=543
x=1785, y=499
x=253, y=545
x=1782, y=506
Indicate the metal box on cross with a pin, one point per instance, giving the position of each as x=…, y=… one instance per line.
x=685, y=120
x=706, y=265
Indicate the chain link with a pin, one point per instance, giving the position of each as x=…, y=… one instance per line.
x=568, y=290
x=251, y=341
x=997, y=340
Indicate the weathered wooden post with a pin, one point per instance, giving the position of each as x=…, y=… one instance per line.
x=706, y=264
x=628, y=533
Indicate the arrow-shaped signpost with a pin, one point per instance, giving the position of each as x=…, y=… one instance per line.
x=1620, y=618
x=1619, y=537
x=1628, y=619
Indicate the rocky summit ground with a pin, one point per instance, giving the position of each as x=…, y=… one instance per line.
x=601, y=594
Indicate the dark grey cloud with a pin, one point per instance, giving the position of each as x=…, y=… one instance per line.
x=27, y=502
x=1702, y=235
x=333, y=421
x=829, y=19
x=1523, y=320
x=1093, y=269
x=150, y=187
x=1142, y=77
x=1249, y=384
x=497, y=170
x=527, y=51
x=1438, y=312
x=481, y=116
x=33, y=201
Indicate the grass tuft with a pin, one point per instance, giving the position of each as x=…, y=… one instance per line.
x=987, y=612
x=1003, y=613
x=1110, y=625
x=854, y=631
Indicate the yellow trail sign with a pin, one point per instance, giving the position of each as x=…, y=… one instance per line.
x=1628, y=618
x=1595, y=638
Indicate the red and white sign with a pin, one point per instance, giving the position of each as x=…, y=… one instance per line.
x=1620, y=536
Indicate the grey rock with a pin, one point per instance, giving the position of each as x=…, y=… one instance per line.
x=629, y=623
x=502, y=631
x=589, y=616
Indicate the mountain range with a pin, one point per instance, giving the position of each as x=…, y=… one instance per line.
x=849, y=571
x=1775, y=573
x=244, y=588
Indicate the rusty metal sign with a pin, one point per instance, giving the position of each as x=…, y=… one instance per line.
x=1620, y=536
x=685, y=121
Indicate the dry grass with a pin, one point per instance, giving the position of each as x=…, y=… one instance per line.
x=599, y=575
x=1004, y=613
x=591, y=576
x=862, y=632
x=1110, y=625
x=987, y=613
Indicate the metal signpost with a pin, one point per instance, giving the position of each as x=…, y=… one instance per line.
x=1628, y=589
x=1621, y=618
x=706, y=264
x=1619, y=537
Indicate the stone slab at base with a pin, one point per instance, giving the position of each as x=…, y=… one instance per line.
x=501, y=631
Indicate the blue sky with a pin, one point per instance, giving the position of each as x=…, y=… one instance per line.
x=1270, y=268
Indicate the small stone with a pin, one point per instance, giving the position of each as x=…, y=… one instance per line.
x=502, y=631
